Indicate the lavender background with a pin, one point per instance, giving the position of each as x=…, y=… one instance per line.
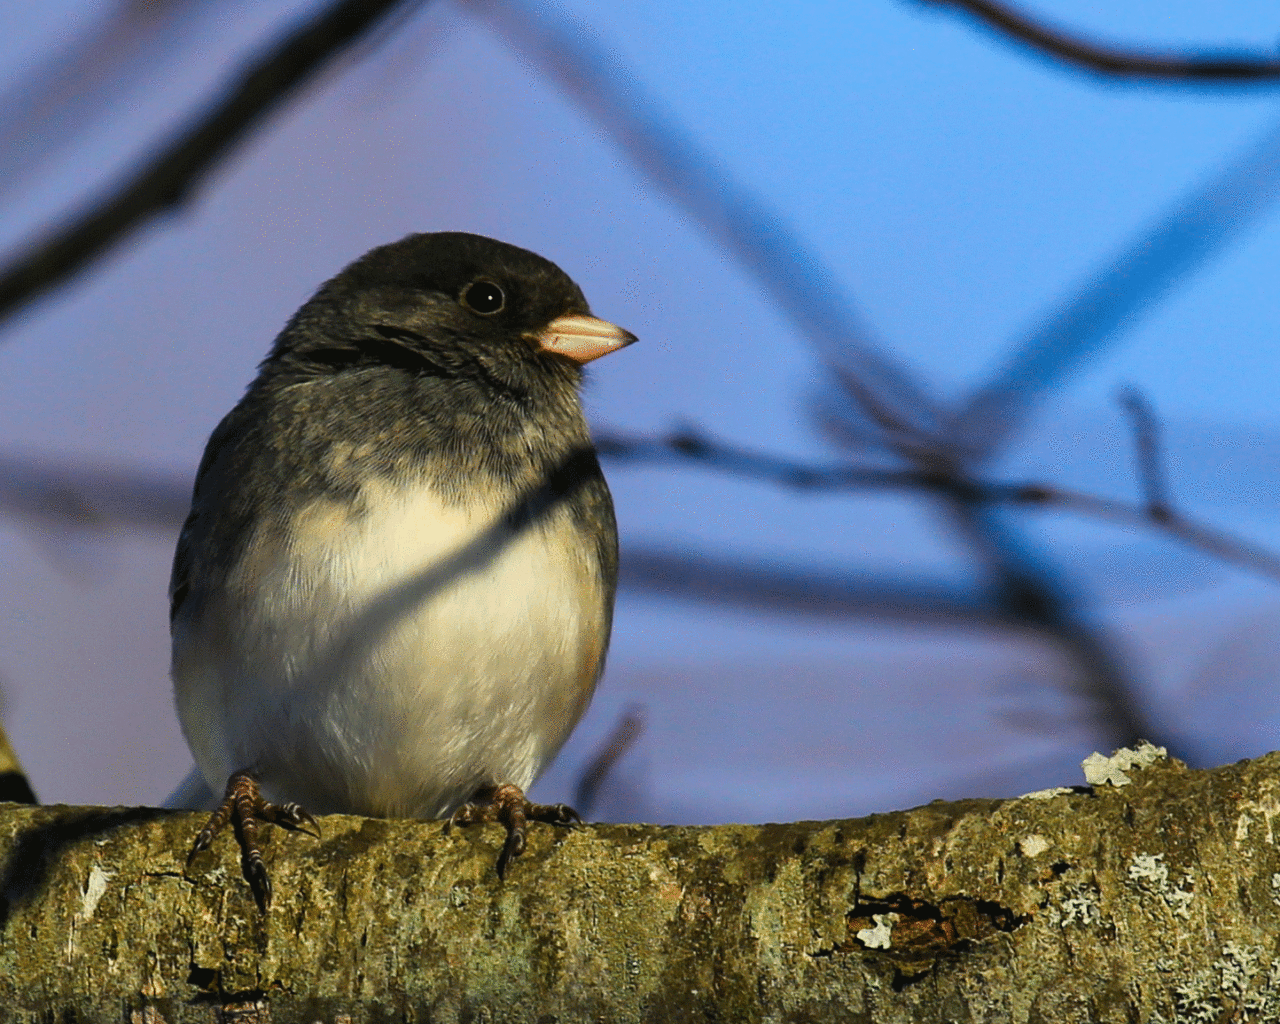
x=960, y=187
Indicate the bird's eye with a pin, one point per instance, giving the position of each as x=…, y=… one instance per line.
x=484, y=297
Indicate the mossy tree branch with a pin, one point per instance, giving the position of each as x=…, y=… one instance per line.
x=1155, y=901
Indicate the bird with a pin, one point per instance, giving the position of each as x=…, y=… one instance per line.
x=394, y=592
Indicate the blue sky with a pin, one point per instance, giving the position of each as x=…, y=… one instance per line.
x=957, y=187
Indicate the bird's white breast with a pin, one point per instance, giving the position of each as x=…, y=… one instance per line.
x=391, y=656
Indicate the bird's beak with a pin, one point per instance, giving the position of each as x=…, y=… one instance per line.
x=582, y=338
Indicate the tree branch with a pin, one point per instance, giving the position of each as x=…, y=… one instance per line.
x=1141, y=901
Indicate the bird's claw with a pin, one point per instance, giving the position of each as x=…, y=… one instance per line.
x=291, y=816
x=244, y=807
x=507, y=805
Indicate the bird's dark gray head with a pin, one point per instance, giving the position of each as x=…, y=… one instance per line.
x=446, y=299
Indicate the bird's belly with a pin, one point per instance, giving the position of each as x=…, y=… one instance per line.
x=391, y=661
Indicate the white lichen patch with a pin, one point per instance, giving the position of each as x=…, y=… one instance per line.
x=1047, y=794
x=1100, y=769
x=1275, y=889
x=1238, y=965
x=1241, y=980
x=1033, y=845
x=1266, y=807
x=879, y=935
x=94, y=889
x=1196, y=1002
x=1179, y=900
x=1262, y=1001
x=1079, y=906
x=1149, y=873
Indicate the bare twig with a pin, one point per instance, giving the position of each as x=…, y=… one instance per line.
x=1117, y=62
x=1033, y=596
x=621, y=738
x=92, y=498
x=1147, y=444
x=688, y=445
x=1211, y=541
x=164, y=182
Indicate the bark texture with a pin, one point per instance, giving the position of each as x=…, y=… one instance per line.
x=1156, y=901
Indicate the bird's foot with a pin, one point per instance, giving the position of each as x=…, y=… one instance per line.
x=244, y=807
x=507, y=805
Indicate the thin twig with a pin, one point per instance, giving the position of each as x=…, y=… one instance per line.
x=688, y=445
x=1118, y=62
x=92, y=499
x=167, y=180
x=1210, y=540
x=621, y=738
x=1146, y=441
x=1036, y=598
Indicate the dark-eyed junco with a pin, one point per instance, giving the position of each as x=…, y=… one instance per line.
x=394, y=591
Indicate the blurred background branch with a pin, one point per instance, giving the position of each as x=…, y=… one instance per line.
x=165, y=181
x=1115, y=62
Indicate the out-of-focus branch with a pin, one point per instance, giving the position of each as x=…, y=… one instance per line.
x=84, y=498
x=165, y=181
x=1117, y=62
x=910, y=423
x=843, y=595
x=1146, y=439
x=96, y=499
x=1032, y=594
x=621, y=738
x=900, y=415
x=93, y=499
x=67, y=90
x=687, y=445
x=1024, y=595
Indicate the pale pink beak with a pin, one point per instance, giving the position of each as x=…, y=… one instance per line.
x=582, y=338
